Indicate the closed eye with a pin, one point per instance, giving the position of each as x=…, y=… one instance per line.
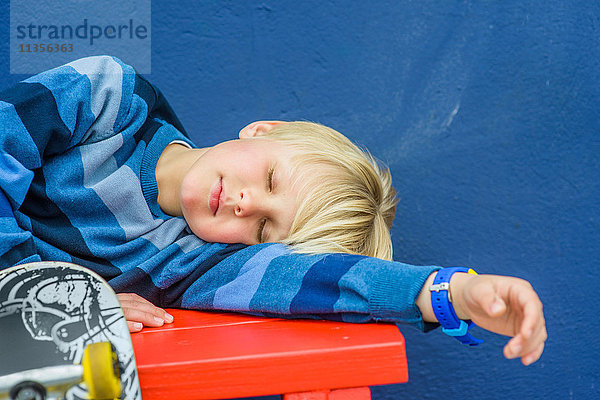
x=270, y=179
x=261, y=226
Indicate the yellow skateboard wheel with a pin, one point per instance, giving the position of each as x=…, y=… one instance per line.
x=101, y=371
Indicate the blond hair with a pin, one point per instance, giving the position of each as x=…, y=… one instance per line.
x=347, y=199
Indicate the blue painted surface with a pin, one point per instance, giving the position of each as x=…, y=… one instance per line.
x=486, y=112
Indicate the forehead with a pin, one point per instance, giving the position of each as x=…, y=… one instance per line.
x=264, y=144
x=277, y=154
x=284, y=155
x=270, y=150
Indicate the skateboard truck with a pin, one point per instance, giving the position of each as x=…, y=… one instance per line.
x=98, y=370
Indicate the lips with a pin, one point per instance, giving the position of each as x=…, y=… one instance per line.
x=215, y=195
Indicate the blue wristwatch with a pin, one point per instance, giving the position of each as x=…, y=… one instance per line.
x=443, y=309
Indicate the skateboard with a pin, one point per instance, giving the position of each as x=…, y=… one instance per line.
x=63, y=336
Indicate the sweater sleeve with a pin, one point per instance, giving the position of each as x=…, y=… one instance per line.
x=83, y=102
x=271, y=280
x=88, y=100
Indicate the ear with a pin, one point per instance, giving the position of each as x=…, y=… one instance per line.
x=258, y=128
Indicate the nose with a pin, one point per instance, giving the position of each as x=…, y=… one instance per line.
x=249, y=204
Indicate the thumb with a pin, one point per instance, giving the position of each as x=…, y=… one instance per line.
x=497, y=308
x=488, y=299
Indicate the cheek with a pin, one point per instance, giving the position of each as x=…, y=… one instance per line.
x=221, y=231
x=190, y=194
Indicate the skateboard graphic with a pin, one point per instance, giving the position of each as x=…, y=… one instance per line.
x=63, y=335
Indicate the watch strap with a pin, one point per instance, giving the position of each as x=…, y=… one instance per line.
x=444, y=310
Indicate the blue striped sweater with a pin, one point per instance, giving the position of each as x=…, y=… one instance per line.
x=78, y=149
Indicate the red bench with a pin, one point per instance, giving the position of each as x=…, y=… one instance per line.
x=220, y=355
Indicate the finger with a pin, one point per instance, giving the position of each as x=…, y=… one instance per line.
x=533, y=356
x=528, y=351
x=532, y=313
x=127, y=295
x=537, y=339
x=497, y=308
x=514, y=347
x=520, y=347
x=146, y=318
x=133, y=301
x=130, y=297
x=134, y=326
x=143, y=306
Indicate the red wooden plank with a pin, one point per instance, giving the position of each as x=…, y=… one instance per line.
x=320, y=395
x=339, y=394
x=350, y=394
x=217, y=355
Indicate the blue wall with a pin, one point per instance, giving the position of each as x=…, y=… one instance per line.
x=486, y=112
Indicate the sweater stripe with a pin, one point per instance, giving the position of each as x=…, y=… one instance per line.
x=18, y=252
x=315, y=293
x=241, y=291
x=109, y=84
x=158, y=106
x=37, y=109
x=5, y=209
x=78, y=115
x=177, y=294
x=48, y=222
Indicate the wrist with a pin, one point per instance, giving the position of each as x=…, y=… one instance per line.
x=458, y=284
x=447, y=302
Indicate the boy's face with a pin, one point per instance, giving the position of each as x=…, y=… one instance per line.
x=241, y=191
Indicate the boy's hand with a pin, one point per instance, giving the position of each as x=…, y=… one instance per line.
x=505, y=305
x=501, y=304
x=139, y=312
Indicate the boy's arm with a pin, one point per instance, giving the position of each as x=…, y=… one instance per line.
x=269, y=280
x=85, y=101
x=17, y=244
x=501, y=304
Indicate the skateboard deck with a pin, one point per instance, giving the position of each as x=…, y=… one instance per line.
x=50, y=314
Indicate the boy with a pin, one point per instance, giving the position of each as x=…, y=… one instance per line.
x=95, y=169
